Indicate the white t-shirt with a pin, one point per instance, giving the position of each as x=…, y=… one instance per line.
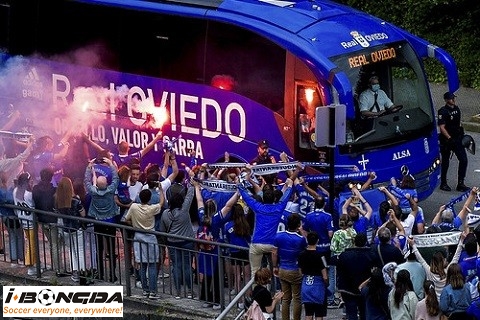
x=135, y=190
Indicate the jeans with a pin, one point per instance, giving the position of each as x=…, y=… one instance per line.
x=51, y=232
x=90, y=247
x=150, y=285
x=181, y=256
x=75, y=241
x=16, y=242
x=332, y=282
x=291, y=281
x=106, y=234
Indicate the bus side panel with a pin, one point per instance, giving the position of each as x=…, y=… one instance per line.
x=54, y=98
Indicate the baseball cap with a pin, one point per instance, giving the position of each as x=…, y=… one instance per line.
x=263, y=143
x=448, y=95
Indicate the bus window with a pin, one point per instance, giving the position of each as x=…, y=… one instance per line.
x=402, y=79
x=308, y=99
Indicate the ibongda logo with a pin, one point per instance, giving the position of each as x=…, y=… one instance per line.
x=47, y=297
x=62, y=301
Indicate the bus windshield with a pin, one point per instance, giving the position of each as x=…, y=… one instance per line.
x=404, y=107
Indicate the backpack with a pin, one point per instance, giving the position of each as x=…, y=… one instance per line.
x=254, y=312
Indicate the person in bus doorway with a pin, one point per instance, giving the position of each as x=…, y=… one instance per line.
x=451, y=134
x=374, y=102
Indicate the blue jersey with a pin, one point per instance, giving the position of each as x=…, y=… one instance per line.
x=400, y=193
x=267, y=216
x=321, y=222
x=221, y=198
x=469, y=267
x=125, y=159
x=305, y=201
x=291, y=207
x=234, y=239
x=289, y=246
x=103, y=170
x=361, y=225
x=217, y=222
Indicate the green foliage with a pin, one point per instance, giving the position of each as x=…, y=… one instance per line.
x=449, y=24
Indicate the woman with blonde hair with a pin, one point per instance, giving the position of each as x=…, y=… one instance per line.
x=69, y=204
x=455, y=298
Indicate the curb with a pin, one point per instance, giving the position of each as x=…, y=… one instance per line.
x=471, y=126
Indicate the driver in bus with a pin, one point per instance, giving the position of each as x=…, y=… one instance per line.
x=374, y=102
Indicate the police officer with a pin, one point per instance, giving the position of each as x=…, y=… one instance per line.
x=451, y=134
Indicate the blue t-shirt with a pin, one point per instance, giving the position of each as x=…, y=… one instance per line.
x=321, y=222
x=267, y=216
x=289, y=246
x=125, y=159
x=361, y=225
x=234, y=239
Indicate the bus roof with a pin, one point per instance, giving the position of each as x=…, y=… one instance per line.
x=314, y=31
x=320, y=22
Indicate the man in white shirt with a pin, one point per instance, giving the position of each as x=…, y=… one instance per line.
x=374, y=102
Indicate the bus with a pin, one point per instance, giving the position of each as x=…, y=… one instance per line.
x=229, y=73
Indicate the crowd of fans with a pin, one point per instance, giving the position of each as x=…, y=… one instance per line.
x=357, y=254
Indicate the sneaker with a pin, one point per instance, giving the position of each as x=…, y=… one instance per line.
x=217, y=307
x=190, y=296
x=164, y=275
x=75, y=276
x=462, y=188
x=178, y=297
x=335, y=304
x=445, y=187
x=207, y=305
x=241, y=306
x=145, y=294
x=138, y=284
x=153, y=296
x=32, y=271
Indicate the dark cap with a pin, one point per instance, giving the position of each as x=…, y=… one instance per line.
x=448, y=95
x=263, y=143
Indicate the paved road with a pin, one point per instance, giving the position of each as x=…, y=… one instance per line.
x=439, y=197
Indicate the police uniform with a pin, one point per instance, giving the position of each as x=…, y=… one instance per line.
x=450, y=116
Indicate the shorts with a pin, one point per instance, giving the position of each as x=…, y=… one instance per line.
x=315, y=309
